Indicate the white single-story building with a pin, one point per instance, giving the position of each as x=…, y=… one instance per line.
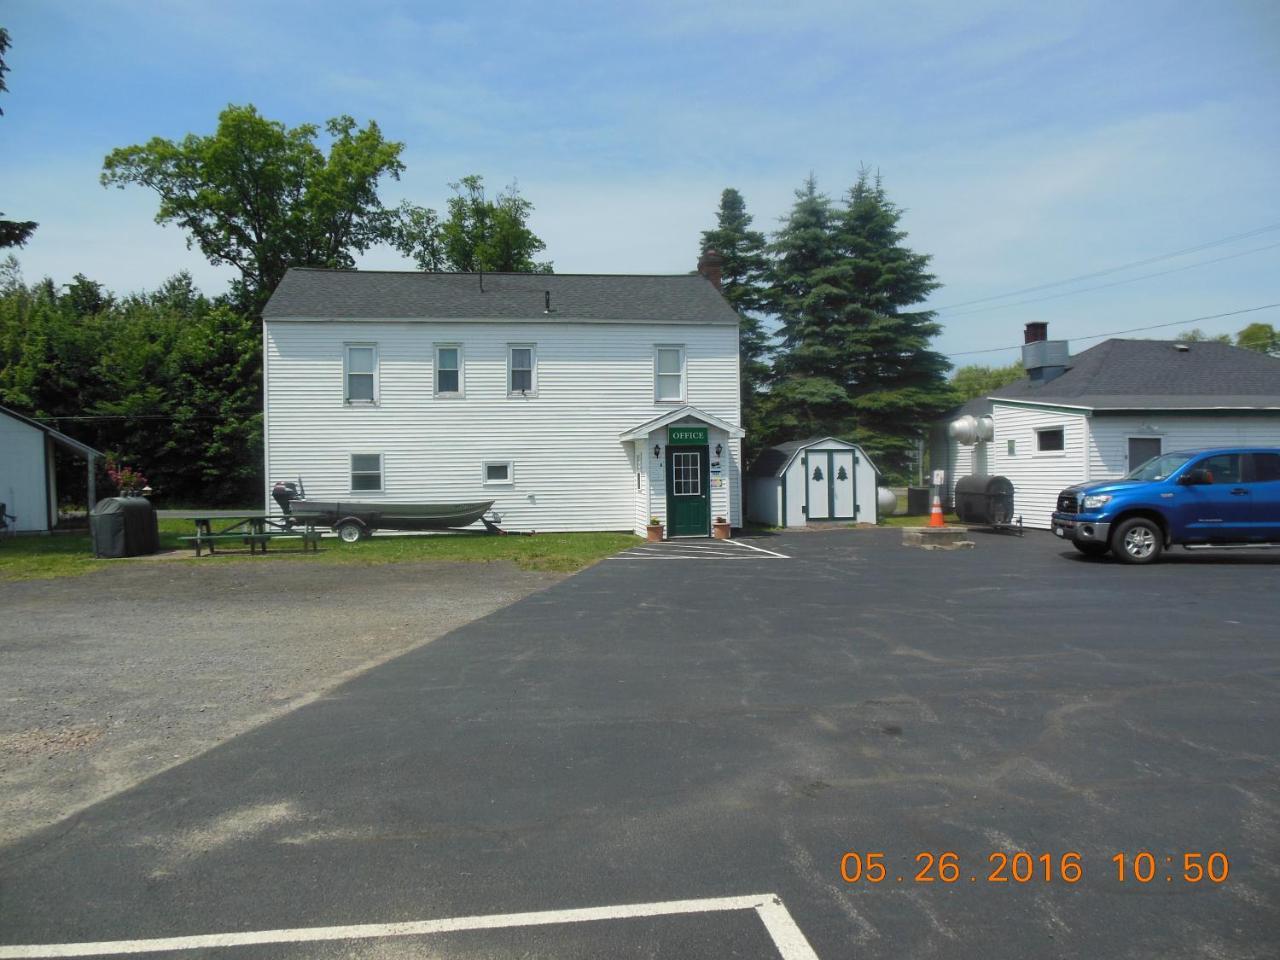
x=28, y=481
x=574, y=402
x=1105, y=411
x=818, y=479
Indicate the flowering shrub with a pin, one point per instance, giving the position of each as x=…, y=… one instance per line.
x=127, y=480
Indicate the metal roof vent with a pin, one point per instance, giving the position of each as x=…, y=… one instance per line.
x=1182, y=347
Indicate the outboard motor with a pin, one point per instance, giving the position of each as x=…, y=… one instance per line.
x=284, y=492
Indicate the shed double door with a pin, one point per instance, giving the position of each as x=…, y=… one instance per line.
x=830, y=493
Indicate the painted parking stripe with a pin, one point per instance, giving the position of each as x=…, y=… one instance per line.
x=787, y=937
x=772, y=553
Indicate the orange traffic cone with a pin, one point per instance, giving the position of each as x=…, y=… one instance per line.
x=935, y=515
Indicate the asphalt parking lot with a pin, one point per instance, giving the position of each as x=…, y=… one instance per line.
x=718, y=734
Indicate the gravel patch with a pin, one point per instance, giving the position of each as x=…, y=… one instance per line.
x=109, y=680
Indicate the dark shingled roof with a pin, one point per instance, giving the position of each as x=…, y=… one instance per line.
x=308, y=293
x=771, y=460
x=1156, y=375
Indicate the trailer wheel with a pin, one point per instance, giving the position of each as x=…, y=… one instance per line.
x=349, y=531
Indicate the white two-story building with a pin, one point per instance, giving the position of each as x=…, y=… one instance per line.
x=575, y=402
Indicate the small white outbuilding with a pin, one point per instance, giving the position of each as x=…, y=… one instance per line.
x=28, y=489
x=812, y=480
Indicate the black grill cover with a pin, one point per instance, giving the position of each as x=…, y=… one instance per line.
x=124, y=527
x=984, y=499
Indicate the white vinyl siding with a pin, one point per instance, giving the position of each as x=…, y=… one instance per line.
x=1110, y=433
x=449, y=372
x=595, y=382
x=1037, y=476
x=668, y=374
x=522, y=369
x=24, y=487
x=366, y=473
x=360, y=373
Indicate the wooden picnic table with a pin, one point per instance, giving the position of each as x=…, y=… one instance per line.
x=250, y=528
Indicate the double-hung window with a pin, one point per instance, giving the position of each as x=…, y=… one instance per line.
x=668, y=374
x=448, y=370
x=361, y=373
x=366, y=472
x=522, y=360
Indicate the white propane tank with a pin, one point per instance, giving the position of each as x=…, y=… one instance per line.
x=986, y=429
x=886, y=502
x=964, y=430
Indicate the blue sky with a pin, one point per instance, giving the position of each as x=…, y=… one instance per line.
x=1028, y=142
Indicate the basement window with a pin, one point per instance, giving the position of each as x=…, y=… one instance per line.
x=498, y=473
x=1051, y=440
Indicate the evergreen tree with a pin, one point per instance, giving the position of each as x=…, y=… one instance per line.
x=857, y=362
x=743, y=283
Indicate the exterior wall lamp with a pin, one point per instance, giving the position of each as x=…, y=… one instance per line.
x=657, y=451
x=718, y=449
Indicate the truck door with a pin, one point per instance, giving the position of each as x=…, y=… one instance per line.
x=1221, y=508
x=1264, y=498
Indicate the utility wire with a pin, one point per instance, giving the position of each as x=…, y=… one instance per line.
x=1110, y=270
x=1114, y=283
x=1116, y=333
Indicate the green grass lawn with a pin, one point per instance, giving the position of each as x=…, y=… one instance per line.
x=915, y=521
x=67, y=555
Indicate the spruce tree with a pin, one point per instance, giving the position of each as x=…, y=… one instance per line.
x=897, y=383
x=743, y=285
x=855, y=360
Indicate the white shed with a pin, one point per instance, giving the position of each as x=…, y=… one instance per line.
x=27, y=485
x=805, y=480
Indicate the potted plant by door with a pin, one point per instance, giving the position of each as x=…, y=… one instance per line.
x=653, y=530
x=720, y=528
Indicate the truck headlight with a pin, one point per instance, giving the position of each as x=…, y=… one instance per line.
x=1096, y=502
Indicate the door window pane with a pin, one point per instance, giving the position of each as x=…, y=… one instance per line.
x=1222, y=468
x=448, y=373
x=1142, y=449
x=366, y=471
x=686, y=478
x=1266, y=467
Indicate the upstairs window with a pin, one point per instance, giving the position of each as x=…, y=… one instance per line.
x=668, y=374
x=449, y=370
x=521, y=367
x=361, y=373
x=366, y=472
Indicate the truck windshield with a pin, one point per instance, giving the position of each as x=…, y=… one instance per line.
x=1157, y=468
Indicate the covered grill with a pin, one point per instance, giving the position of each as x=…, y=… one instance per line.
x=985, y=500
x=124, y=527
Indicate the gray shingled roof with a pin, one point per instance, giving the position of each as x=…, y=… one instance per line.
x=1154, y=374
x=308, y=293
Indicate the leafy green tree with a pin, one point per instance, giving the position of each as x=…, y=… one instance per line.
x=1196, y=335
x=856, y=361
x=1262, y=337
x=263, y=197
x=978, y=380
x=13, y=233
x=744, y=285
x=479, y=235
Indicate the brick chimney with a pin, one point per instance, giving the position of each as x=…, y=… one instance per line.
x=711, y=266
x=1035, y=332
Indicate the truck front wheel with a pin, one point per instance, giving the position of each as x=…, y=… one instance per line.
x=1138, y=540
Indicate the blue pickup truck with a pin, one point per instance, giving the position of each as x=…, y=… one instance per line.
x=1228, y=496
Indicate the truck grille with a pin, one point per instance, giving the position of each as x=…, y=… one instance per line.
x=1067, y=503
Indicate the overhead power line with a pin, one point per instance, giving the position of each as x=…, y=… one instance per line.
x=1110, y=270
x=1114, y=283
x=1116, y=333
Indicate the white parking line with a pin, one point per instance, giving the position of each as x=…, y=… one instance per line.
x=739, y=543
x=787, y=937
x=711, y=550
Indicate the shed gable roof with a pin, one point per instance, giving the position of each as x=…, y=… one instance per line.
x=57, y=437
x=773, y=461
x=1156, y=374
x=308, y=293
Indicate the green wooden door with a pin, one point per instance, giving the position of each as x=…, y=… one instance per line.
x=688, y=492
